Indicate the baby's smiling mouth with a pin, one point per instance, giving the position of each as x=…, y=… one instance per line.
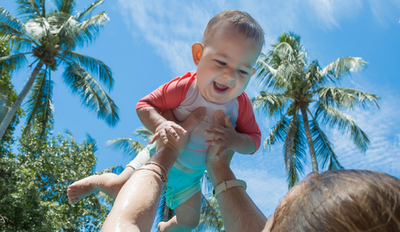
x=220, y=88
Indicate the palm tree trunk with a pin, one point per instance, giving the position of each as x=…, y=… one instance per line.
x=309, y=139
x=10, y=114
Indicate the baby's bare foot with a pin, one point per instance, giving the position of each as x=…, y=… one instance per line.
x=80, y=189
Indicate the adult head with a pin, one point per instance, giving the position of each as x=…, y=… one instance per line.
x=342, y=200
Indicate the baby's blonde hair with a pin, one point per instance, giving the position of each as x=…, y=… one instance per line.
x=342, y=200
x=241, y=21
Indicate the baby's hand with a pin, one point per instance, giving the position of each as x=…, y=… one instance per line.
x=226, y=137
x=165, y=128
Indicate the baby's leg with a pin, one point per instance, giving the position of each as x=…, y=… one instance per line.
x=109, y=183
x=187, y=216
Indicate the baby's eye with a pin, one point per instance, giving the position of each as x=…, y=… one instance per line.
x=243, y=72
x=221, y=62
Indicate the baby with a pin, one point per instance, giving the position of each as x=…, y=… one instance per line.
x=231, y=44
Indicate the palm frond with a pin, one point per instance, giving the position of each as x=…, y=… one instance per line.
x=92, y=142
x=92, y=26
x=294, y=150
x=67, y=28
x=285, y=51
x=30, y=8
x=92, y=94
x=94, y=66
x=313, y=77
x=8, y=19
x=211, y=218
x=345, y=123
x=286, y=74
x=128, y=146
x=87, y=12
x=71, y=138
x=17, y=44
x=323, y=147
x=39, y=27
x=16, y=60
x=342, y=66
x=116, y=169
x=8, y=32
x=65, y=6
x=39, y=105
x=278, y=132
x=144, y=133
x=271, y=103
x=344, y=98
x=265, y=73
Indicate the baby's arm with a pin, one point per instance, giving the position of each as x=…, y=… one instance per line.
x=165, y=97
x=157, y=124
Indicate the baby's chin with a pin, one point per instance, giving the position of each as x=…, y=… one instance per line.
x=218, y=100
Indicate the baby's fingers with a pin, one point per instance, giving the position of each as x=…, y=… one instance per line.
x=179, y=129
x=172, y=132
x=159, y=135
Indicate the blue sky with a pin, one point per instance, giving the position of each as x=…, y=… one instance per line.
x=147, y=43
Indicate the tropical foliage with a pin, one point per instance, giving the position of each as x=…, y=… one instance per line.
x=306, y=97
x=33, y=185
x=7, y=97
x=51, y=37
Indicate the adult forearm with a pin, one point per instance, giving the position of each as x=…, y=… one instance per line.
x=150, y=118
x=239, y=213
x=136, y=203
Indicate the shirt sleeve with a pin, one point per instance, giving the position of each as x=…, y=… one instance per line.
x=246, y=122
x=169, y=95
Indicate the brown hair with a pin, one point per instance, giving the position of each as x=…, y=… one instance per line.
x=343, y=200
x=241, y=21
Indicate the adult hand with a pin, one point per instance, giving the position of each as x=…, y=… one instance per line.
x=215, y=157
x=195, y=118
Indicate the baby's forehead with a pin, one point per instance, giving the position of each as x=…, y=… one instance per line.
x=225, y=28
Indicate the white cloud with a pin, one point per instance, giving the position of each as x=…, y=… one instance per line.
x=171, y=27
x=385, y=11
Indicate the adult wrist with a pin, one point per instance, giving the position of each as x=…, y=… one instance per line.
x=219, y=173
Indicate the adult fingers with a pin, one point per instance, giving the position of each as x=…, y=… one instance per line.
x=194, y=119
x=228, y=123
x=215, y=133
x=219, y=118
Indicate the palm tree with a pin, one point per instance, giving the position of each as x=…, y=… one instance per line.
x=304, y=94
x=51, y=36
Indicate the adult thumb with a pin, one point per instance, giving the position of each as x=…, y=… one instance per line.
x=194, y=119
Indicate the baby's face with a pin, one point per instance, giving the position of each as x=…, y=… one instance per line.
x=226, y=65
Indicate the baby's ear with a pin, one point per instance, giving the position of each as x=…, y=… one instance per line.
x=197, y=51
x=254, y=71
